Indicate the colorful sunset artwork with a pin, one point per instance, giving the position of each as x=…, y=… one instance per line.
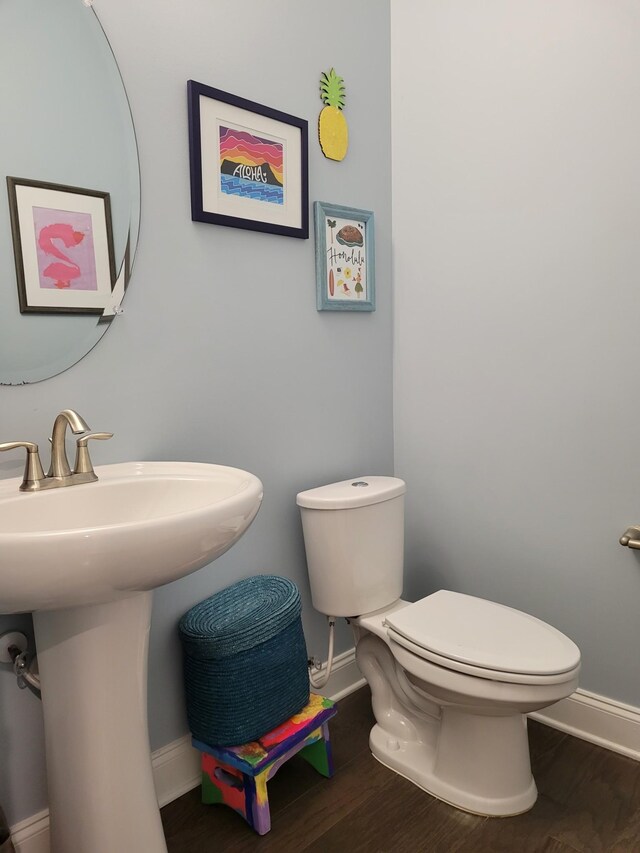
x=250, y=166
x=64, y=249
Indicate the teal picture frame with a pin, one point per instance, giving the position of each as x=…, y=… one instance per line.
x=345, y=258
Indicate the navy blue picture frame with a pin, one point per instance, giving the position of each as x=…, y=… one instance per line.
x=295, y=129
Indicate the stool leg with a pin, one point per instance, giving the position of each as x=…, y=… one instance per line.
x=257, y=801
x=211, y=793
x=318, y=754
x=223, y=784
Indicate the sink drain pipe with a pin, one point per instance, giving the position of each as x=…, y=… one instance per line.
x=13, y=650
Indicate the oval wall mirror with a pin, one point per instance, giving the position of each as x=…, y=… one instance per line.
x=66, y=120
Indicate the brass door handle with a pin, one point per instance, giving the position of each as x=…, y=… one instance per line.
x=631, y=538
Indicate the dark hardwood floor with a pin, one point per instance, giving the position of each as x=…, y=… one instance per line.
x=589, y=800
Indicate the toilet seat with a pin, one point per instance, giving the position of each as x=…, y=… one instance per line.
x=395, y=639
x=482, y=638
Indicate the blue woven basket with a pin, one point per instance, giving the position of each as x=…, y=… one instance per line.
x=245, y=660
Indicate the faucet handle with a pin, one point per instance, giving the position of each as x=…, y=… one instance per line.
x=33, y=473
x=83, y=460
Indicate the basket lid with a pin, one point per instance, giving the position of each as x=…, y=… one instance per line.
x=240, y=617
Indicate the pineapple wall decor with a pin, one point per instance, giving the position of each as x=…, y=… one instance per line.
x=332, y=125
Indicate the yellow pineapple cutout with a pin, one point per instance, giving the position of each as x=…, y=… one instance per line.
x=332, y=125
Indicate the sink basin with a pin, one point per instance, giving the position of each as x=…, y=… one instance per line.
x=85, y=560
x=143, y=524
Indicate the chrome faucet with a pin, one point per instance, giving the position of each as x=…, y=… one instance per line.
x=60, y=473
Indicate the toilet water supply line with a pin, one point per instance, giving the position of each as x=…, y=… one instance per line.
x=316, y=680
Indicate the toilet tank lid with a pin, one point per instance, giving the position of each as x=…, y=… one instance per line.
x=353, y=493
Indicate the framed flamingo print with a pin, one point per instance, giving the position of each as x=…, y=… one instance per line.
x=249, y=164
x=63, y=247
x=345, y=258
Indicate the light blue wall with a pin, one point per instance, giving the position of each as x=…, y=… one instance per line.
x=220, y=355
x=516, y=271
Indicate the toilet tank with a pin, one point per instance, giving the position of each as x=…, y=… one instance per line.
x=354, y=539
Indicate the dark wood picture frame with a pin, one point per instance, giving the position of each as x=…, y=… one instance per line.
x=65, y=204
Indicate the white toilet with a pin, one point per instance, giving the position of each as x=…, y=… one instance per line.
x=451, y=676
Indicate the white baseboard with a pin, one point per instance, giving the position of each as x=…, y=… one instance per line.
x=32, y=834
x=176, y=766
x=176, y=770
x=599, y=720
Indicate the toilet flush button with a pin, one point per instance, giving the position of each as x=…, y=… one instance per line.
x=392, y=743
x=360, y=483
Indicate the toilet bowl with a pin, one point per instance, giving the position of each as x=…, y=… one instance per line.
x=452, y=676
x=454, y=727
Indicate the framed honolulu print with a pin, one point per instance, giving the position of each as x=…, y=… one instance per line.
x=63, y=247
x=249, y=164
x=345, y=258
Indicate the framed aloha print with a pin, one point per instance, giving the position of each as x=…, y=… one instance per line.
x=249, y=164
x=63, y=247
x=345, y=258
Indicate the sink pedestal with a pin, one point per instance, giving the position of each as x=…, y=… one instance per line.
x=93, y=672
x=82, y=559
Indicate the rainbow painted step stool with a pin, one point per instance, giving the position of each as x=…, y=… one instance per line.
x=237, y=775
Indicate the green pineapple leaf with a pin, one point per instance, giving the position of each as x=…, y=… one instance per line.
x=332, y=90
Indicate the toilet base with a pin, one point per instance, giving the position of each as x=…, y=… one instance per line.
x=475, y=777
x=473, y=756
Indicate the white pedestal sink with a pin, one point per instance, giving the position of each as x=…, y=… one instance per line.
x=84, y=559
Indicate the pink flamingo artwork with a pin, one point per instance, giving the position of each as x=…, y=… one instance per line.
x=65, y=270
